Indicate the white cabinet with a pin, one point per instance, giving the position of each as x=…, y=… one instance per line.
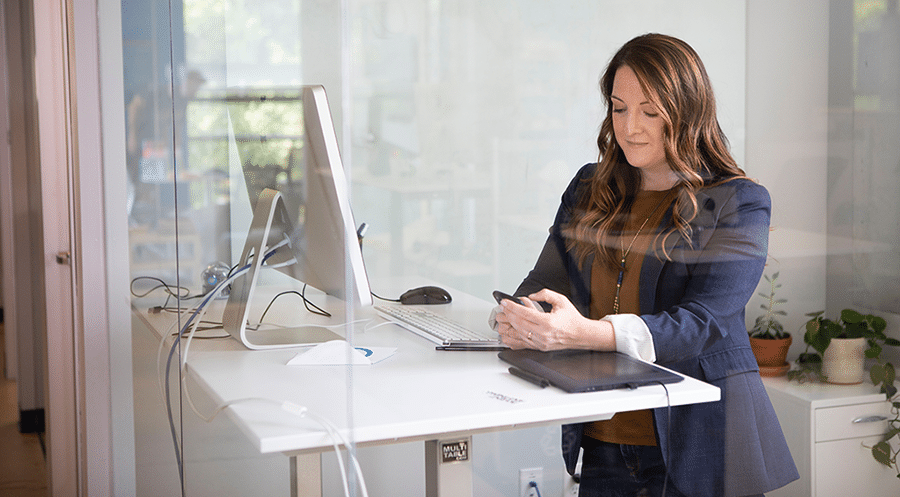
x=830, y=429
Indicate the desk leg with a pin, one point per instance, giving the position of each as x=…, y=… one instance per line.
x=306, y=475
x=448, y=467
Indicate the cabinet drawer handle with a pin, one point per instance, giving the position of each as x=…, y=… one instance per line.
x=869, y=419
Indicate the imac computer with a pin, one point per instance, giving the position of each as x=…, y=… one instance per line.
x=307, y=233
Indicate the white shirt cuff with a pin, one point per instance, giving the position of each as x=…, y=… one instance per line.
x=632, y=336
x=492, y=319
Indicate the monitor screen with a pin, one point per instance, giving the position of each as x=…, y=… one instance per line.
x=302, y=221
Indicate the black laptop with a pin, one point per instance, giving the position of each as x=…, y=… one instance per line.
x=585, y=370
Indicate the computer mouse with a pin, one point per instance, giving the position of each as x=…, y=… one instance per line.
x=426, y=295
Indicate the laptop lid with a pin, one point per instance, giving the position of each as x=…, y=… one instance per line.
x=588, y=370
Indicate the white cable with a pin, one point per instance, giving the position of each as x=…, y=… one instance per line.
x=215, y=293
x=283, y=326
x=287, y=406
x=289, y=262
x=181, y=331
x=383, y=323
x=334, y=434
x=304, y=412
x=159, y=352
x=159, y=372
x=284, y=241
x=216, y=290
x=333, y=431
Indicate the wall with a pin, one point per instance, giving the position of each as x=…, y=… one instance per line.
x=787, y=139
x=23, y=293
x=7, y=287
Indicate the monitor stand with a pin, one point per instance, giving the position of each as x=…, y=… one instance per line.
x=270, y=227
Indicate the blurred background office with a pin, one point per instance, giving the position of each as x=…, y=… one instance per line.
x=460, y=122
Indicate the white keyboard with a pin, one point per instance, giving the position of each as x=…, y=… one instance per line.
x=435, y=327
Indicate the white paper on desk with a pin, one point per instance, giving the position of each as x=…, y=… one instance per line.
x=334, y=353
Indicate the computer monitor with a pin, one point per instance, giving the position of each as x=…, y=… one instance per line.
x=305, y=229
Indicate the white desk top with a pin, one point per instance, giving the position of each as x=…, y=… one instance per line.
x=416, y=394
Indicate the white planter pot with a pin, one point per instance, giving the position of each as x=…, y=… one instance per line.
x=843, y=360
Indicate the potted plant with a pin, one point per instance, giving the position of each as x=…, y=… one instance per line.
x=840, y=347
x=768, y=339
x=822, y=334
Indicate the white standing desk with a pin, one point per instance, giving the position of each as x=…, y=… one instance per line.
x=418, y=394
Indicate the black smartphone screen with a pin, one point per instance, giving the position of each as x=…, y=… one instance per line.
x=498, y=296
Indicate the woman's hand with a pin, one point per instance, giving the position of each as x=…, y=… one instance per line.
x=527, y=327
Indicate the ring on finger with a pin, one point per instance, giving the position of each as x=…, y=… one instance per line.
x=529, y=335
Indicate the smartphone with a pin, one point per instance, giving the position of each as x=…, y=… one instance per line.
x=498, y=296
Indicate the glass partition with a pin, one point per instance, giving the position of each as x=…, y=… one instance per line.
x=211, y=88
x=864, y=158
x=469, y=118
x=460, y=123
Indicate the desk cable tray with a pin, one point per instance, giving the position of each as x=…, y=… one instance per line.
x=435, y=327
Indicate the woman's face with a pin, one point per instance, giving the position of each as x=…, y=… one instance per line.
x=638, y=128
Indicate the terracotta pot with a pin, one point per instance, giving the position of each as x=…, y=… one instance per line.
x=771, y=355
x=843, y=361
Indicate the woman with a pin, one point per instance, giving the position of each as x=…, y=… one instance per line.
x=655, y=252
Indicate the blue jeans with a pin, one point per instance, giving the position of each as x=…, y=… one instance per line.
x=613, y=470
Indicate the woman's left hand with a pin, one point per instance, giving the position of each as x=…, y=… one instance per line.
x=526, y=327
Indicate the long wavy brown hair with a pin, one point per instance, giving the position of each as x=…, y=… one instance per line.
x=672, y=77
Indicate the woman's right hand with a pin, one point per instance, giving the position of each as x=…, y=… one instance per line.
x=525, y=326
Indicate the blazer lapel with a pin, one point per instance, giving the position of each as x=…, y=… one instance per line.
x=653, y=266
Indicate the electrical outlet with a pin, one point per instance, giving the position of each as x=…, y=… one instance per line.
x=526, y=476
x=570, y=487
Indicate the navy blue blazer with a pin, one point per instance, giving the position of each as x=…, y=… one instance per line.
x=694, y=306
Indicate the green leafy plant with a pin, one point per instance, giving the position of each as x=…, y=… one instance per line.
x=852, y=324
x=767, y=325
x=809, y=368
x=882, y=451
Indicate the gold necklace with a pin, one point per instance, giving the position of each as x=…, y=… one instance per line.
x=625, y=252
